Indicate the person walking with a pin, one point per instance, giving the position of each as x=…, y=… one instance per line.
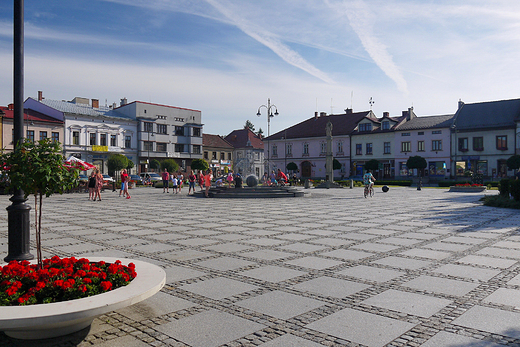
x=207, y=182
x=125, y=179
x=174, y=182
x=122, y=190
x=166, y=180
x=92, y=186
x=201, y=180
x=191, y=181
x=230, y=178
x=180, y=179
x=99, y=185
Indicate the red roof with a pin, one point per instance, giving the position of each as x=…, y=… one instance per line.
x=29, y=115
x=244, y=138
x=215, y=141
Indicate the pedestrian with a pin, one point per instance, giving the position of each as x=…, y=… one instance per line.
x=92, y=186
x=207, y=182
x=125, y=178
x=166, y=180
x=191, y=179
x=201, y=180
x=174, y=183
x=230, y=179
x=99, y=184
x=180, y=178
x=273, y=178
x=122, y=190
x=265, y=179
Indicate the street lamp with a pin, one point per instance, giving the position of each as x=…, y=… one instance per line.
x=270, y=115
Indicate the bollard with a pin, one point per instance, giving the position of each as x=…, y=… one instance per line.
x=351, y=184
x=419, y=184
x=307, y=184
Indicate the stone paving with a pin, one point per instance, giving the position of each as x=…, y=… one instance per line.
x=404, y=268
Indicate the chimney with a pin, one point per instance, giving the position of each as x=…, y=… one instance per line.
x=348, y=111
x=323, y=114
x=386, y=114
x=461, y=103
x=124, y=101
x=10, y=107
x=40, y=95
x=95, y=103
x=410, y=114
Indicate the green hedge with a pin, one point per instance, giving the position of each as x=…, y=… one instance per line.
x=500, y=201
x=403, y=183
x=451, y=183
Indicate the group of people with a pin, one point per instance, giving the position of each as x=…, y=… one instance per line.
x=177, y=182
x=275, y=178
x=95, y=184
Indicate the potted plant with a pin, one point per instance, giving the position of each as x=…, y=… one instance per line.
x=55, y=296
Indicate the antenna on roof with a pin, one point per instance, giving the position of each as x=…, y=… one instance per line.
x=331, y=107
x=371, y=102
x=351, y=98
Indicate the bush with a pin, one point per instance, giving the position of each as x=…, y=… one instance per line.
x=514, y=189
x=451, y=183
x=504, y=186
x=500, y=201
x=491, y=183
x=403, y=183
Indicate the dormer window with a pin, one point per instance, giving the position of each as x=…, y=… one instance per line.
x=365, y=127
x=385, y=125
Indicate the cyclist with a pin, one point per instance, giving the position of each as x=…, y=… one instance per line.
x=368, y=179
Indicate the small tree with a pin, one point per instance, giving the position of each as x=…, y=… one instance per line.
x=155, y=164
x=513, y=162
x=292, y=166
x=170, y=165
x=336, y=165
x=372, y=164
x=249, y=125
x=260, y=132
x=417, y=162
x=38, y=169
x=199, y=164
x=130, y=165
x=117, y=162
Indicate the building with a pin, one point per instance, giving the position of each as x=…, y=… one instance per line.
x=37, y=126
x=218, y=153
x=484, y=136
x=305, y=143
x=165, y=132
x=248, y=152
x=91, y=132
x=428, y=137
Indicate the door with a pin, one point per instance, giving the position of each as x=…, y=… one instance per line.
x=306, y=169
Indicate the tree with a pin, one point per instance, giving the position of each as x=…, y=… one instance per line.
x=336, y=165
x=38, y=169
x=155, y=164
x=117, y=162
x=199, y=164
x=249, y=125
x=170, y=165
x=416, y=162
x=513, y=162
x=292, y=166
x=260, y=132
x=372, y=164
x=130, y=165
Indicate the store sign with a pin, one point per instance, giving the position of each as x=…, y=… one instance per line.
x=99, y=148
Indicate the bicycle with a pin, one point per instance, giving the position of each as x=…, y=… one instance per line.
x=368, y=191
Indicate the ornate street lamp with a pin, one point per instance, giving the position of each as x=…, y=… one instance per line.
x=270, y=115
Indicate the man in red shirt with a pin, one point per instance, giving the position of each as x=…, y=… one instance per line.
x=166, y=181
x=124, y=184
x=281, y=177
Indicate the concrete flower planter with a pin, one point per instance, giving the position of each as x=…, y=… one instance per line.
x=468, y=189
x=62, y=318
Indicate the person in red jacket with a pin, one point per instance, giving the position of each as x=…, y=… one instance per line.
x=281, y=177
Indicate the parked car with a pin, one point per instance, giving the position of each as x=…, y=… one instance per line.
x=150, y=177
x=107, y=179
x=136, y=179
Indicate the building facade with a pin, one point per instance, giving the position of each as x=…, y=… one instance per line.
x=248, y=152
x=218, y=153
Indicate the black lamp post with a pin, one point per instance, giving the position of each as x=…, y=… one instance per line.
x=18, y=213
x=270, y=115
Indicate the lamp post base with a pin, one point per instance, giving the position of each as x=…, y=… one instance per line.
x=19, y=227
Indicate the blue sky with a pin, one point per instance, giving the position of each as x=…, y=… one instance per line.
x=227, y=57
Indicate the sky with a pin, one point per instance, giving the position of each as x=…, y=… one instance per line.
x=226, y=58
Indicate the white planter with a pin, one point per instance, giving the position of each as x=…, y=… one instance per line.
x=62, y=318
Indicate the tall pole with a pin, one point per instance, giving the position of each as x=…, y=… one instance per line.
x=270, y=114
x=18, y=213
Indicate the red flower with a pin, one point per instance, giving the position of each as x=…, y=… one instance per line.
x=105, y=285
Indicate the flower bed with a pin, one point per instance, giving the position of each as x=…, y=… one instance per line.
x=468, y=188
x=23, y=283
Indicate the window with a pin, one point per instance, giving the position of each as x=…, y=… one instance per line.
x=206, y=155
x=369, y=148
x=323, y=148
x=420, y=133
x=288, y=149
x=275, y=150
x=365, y=127
x=463, y=144
x=502, y=142
x=437, y=132
x=196, y=149
x=75, y=138
x=436, y=145
x=43, y=135
x=179, y=131
x=30, y=135
x=406, y=146
x=214, y=155
x=340, y=147
x=55, y=136
x=229, y=156
x=113, y=140
x=385, y=125
x=478, y=143
x=103, y=139
x=148, y=145
x=162, y=129
x=359, y=149
x=305, y=149
x=128, y=142
x=92, y=141
x=161, y=146
x=387, y=148
x=148, y=127
x=420, y=146
x=405, y=134
x=222, y=154
x=196, y=131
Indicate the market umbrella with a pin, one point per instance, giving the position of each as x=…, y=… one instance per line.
x=72, y=161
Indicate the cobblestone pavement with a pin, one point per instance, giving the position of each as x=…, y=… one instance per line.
x=404, y=268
